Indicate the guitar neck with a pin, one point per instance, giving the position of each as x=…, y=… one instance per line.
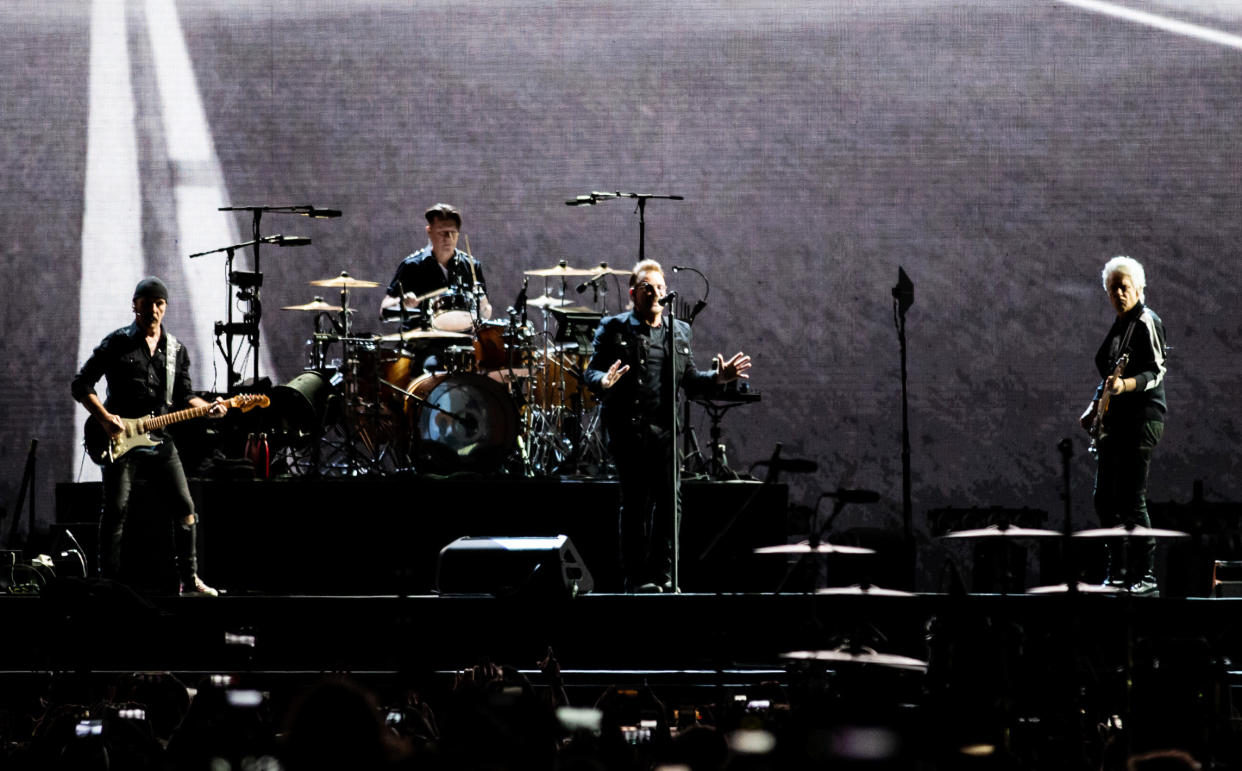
x=159, y=421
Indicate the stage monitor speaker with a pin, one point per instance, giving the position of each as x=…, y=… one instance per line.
x=523, y=566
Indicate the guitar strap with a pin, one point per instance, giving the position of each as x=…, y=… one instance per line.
x=171, y=346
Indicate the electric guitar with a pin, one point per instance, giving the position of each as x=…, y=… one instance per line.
x=1101, y=407
x=104, y=449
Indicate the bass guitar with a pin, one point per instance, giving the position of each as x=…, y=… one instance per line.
x=1101, y=407
x=104, y=449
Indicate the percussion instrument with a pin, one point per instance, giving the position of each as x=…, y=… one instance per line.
x=475, y=427
x=451, y=311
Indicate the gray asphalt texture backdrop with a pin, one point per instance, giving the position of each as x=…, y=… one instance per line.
x=999, y=152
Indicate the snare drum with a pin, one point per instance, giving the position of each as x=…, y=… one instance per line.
x=452, y=311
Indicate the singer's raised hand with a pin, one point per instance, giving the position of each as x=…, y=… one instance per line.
x=614, y=374
x=734, y=368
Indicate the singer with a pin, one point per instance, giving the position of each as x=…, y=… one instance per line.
x=439, y=265
x=630, y=375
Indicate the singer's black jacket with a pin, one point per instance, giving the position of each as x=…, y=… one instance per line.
x=638, y=402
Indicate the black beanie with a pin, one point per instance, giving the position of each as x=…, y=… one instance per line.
x=151, y=287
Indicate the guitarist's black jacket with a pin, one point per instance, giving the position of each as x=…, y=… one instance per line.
x=135, y=378
x=1147, y=366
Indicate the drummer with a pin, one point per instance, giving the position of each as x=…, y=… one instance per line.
x=438, y=265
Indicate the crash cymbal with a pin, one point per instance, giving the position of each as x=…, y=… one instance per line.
x=547, y=301
x=859, y=656
x=805, y=548
x=315, y=305
x=560, y=270
x=1130, y=532
x=996, y=531
x=345, y=281
x=864, y=591
x=1081, y=588
x=422, y=334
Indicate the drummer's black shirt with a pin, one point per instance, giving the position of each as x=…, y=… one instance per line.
x=419, y=274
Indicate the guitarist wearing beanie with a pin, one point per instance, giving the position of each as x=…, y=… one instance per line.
x=148, y=373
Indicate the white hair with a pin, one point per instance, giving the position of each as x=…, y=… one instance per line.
x=1127, y=266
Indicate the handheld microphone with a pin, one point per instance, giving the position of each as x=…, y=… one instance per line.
x=668, y=298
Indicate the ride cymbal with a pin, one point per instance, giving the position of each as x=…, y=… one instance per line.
x=996, y=531
x=1130, y=532
x=805, y=548
x=423, y=334
x=345, y=281
x=315, y=305
x=859, y=656
x=560, y=270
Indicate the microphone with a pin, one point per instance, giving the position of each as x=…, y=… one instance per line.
x=582, y=200
x=854, y=496
x=320, y=214
x=592, y=281
x=794, y=466
x=280, y=240
x=668, y=298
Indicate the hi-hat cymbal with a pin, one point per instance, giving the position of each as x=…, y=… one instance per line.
x=859, y=656
x=422, y=334
x=547, y=301
x=315, y=305
x=805, y=548
x=996, y=531
x=864, y=591
x=1081, y=588
x=560, y=270
x=345, y=281
x=1130, y=532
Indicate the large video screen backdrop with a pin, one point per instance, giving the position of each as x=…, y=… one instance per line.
x=1000, y=152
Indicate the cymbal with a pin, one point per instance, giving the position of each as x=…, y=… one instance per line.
x=547, y=301
x=1081, y=588
x=345, y=281
x=423, y=334
x=996, y=531
x=805, y=548
x=610, y=271
x=859, y=656
x=1130, y=532
x=560, y=270
x=864, y=591
x=315, y=305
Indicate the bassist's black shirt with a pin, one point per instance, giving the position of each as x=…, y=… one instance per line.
x=1147, y=366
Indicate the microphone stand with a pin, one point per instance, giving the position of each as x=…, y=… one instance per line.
x=255, y=280
x=673, y=454
x=903, y=298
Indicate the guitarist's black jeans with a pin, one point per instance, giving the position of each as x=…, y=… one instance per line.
x=162, y=469
x=1120, y=498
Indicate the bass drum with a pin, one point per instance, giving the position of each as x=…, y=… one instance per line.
x=479, y=434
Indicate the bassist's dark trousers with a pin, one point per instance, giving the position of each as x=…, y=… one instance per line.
x=1120, y=496
x=161, y=468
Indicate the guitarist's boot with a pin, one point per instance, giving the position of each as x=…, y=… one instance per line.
x=187, y=562
x=1147, y=560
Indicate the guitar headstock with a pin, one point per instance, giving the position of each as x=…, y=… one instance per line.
x=247, y=402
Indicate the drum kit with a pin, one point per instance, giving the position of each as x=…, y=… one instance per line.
x=449, y=390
